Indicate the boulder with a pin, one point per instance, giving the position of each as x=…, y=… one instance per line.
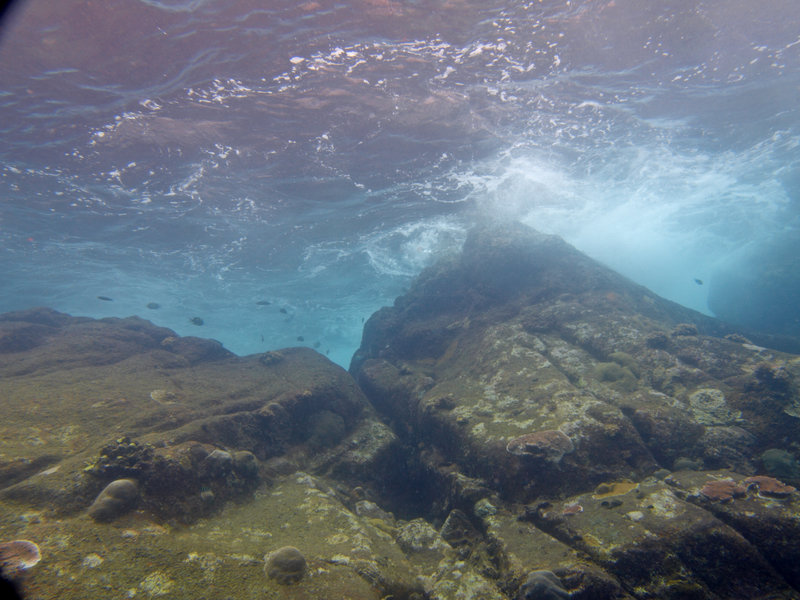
x=550, y=383
x=117, y=498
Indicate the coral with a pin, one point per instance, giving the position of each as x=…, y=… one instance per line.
x=722, y=490
x=618, y=372
x=548, y=444
x=18, y=555
x=769, y=486
x=611, y=371
x=117, y=498
x=626, y=360
x=180, y=481
x=572, y=508
x=709, y=407
x=616, y=488
x=122, y=458
x=285, y=565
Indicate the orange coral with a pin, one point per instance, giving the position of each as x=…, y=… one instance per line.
x=615, y=488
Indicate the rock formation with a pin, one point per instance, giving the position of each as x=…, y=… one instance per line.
x=522, y=423
x=530, y=375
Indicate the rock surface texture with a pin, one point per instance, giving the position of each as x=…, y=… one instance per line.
x=534, y=378
x=523, y=423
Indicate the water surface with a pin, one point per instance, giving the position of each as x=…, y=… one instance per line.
x=281, y=170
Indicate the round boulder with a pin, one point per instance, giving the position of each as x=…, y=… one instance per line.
x=117, y=498
x=285, y=565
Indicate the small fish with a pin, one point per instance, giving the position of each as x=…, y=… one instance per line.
x=263, y=302
x=153, y=305
x=262, y=337
x=284, y=311
x=300, y=338
x=196, y=321
x=698, y=281
x=105, y=298
x=317, y=344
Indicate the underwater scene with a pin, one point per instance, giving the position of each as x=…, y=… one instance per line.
x=400, y=299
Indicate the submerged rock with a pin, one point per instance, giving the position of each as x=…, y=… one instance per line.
x=218, y=462
x=548, y=445
x=285, y=565
x=116, y=499
x=525, y=370
x=542, y=585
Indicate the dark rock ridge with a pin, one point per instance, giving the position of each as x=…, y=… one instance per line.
x=520, y=342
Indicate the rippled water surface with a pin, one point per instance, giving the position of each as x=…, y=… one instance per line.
x=282, y=169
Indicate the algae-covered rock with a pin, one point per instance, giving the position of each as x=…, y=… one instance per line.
x=548, y=380
x=521, y=333
x=708, y=407
x=186, y=419
x=628, y=534
x=285, y=565
x=542, y=585
x=117, y=498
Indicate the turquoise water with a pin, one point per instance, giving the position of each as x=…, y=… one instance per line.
x=282, y=172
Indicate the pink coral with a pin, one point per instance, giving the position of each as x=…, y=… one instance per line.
x=769, y=486
x=722, y=490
